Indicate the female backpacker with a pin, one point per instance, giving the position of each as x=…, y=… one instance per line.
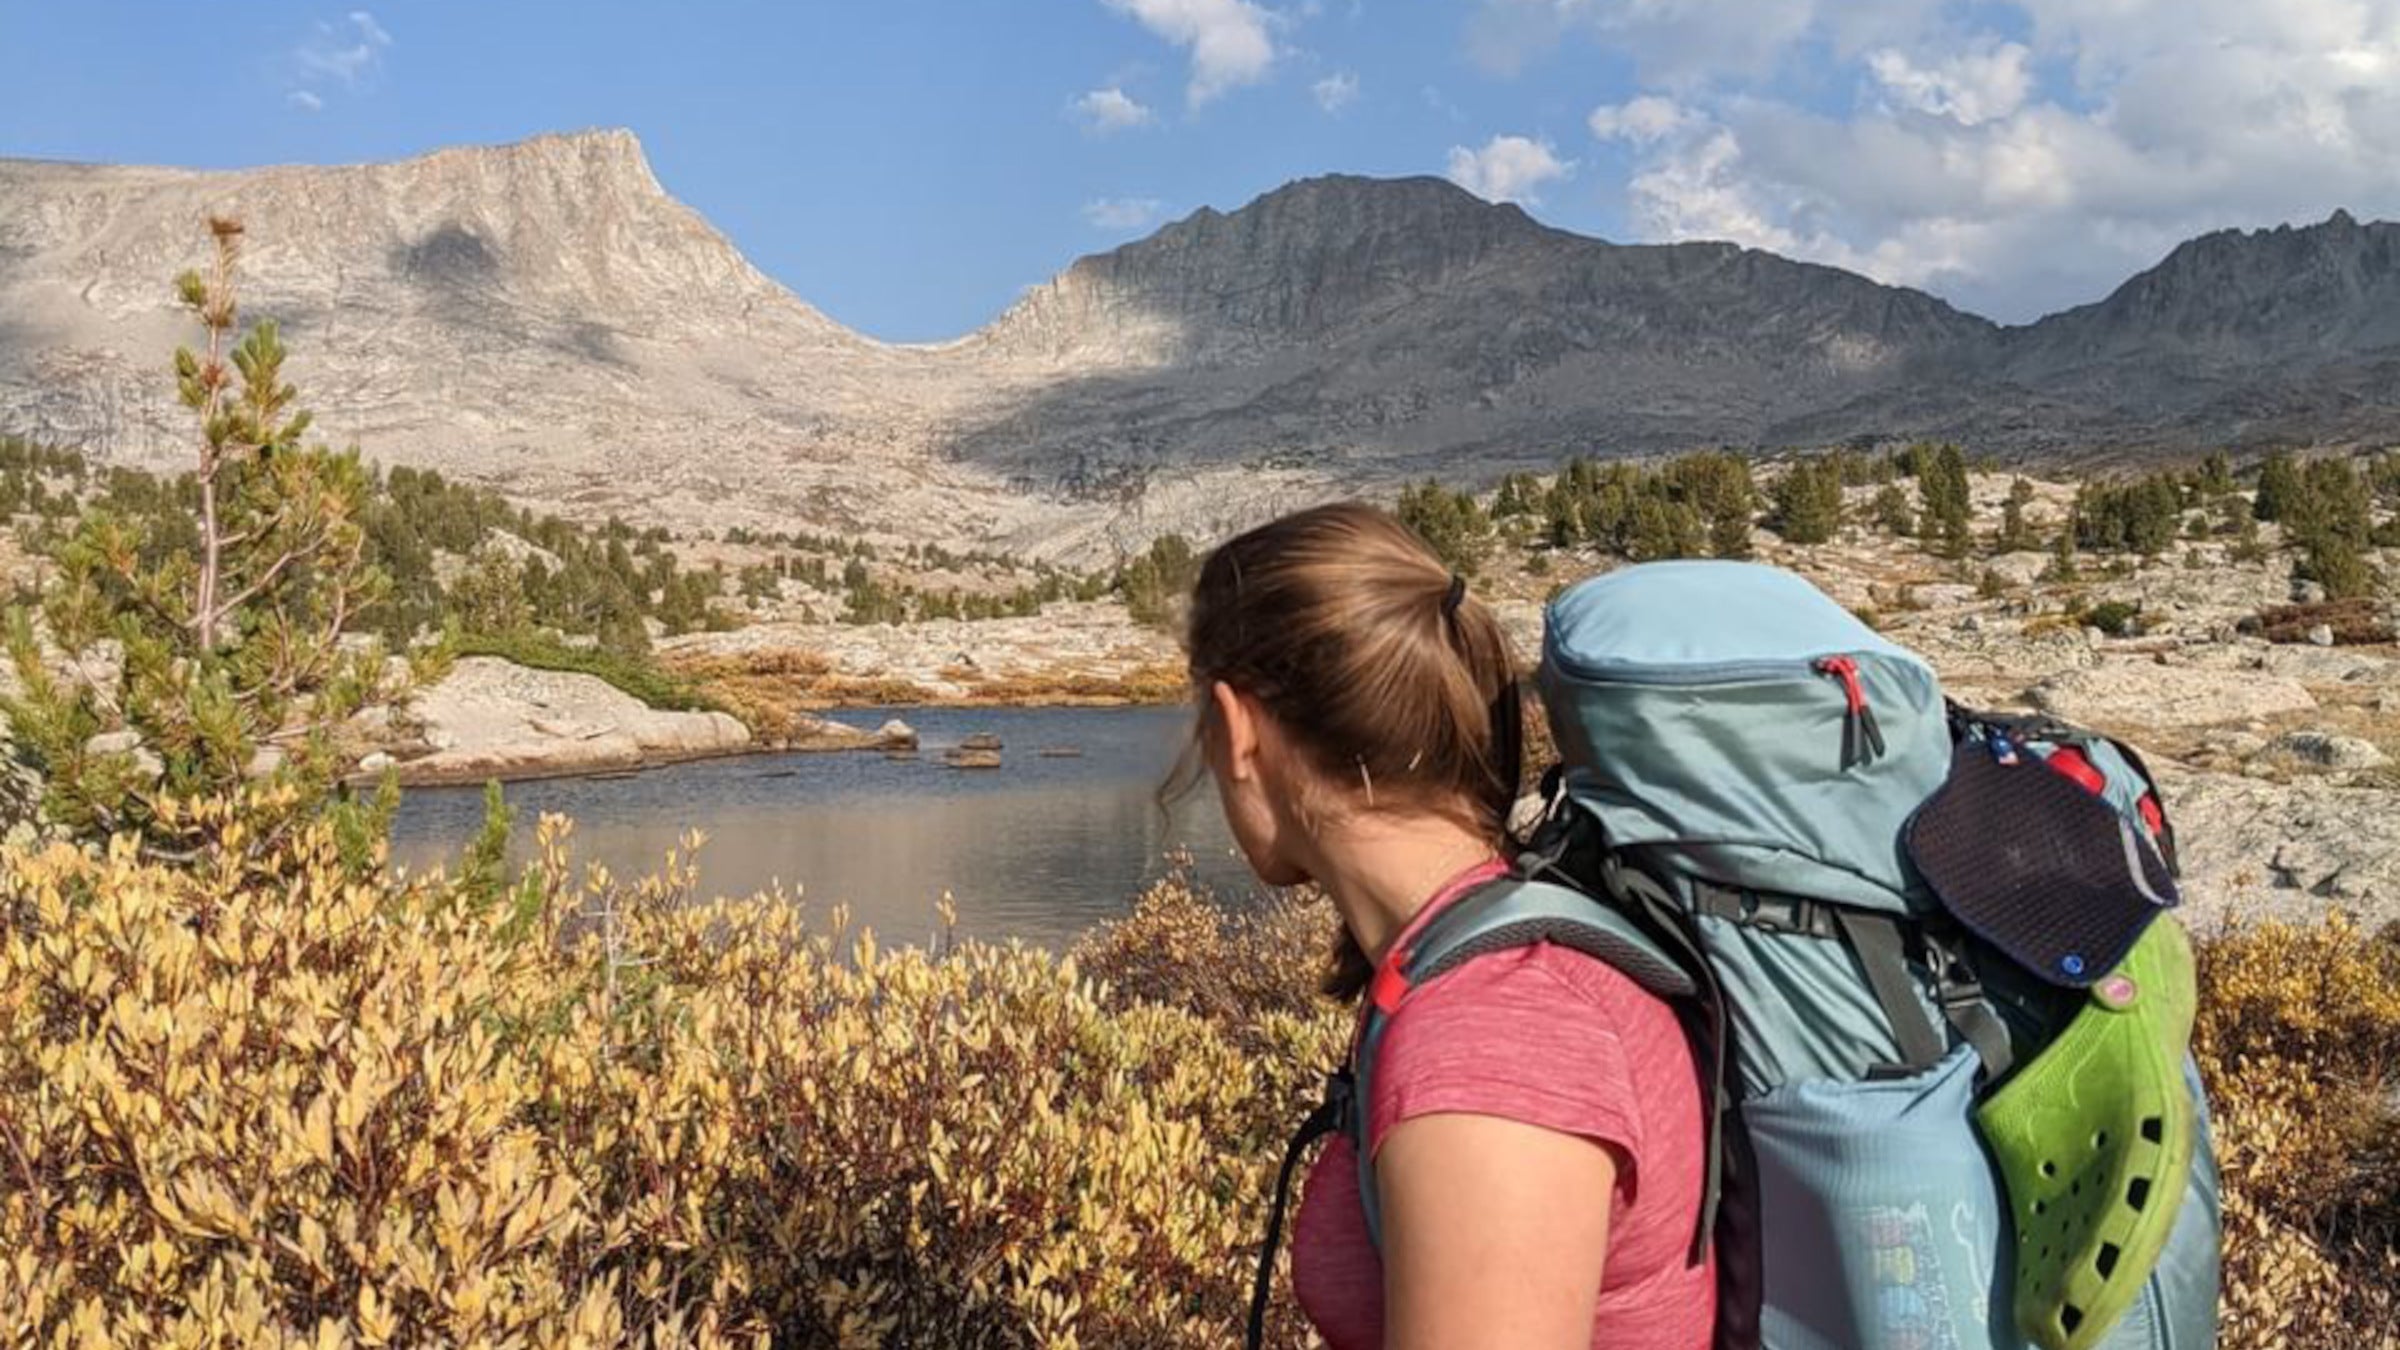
x=1534, y=1121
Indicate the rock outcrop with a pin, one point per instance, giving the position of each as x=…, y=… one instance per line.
x=493, y=719
x=542, y=317
x=2138, y=694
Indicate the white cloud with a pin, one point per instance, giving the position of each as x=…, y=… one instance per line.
x=1124, y=213
x=1507, y=168
x=1229, y=40
x=2015, y=157
x=1640, y=120
x=1970, y=87
x=1336, y=91
x=1112, y=109
x=343, y=56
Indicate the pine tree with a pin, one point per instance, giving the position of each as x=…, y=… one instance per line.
x=2016, y=535
x=2062, y=567
x=235, y=673
x=1942, y=487
x=1808, y=502
x=2279, y=486
x=1892, y=513
x=1450, y=523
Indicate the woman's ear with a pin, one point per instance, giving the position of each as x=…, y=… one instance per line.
x=1239, y=717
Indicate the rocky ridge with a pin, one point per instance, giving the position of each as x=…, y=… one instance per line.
x=545, y=318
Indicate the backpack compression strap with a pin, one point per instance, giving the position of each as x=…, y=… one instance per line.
x=1505, y=914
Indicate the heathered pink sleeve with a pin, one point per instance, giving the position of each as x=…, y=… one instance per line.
x=1531, y=1035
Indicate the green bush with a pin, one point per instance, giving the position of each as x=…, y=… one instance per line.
x=635, y=675
x=2116, y=618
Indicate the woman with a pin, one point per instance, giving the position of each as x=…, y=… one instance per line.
x=1535, y=1116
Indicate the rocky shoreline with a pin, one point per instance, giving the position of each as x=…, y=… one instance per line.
x=492, y=719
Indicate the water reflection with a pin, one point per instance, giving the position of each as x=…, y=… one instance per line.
x=1039, y=849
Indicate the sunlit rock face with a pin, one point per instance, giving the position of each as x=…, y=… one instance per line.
x=544, y=318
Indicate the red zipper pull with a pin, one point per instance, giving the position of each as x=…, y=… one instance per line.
x=1862, y=739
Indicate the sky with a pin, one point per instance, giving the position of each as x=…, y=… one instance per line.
x=911, y=166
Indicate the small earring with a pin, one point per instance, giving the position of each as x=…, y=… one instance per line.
x=1369, y=780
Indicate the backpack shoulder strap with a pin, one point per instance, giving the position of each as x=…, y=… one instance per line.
x=1517, y=913
x=1505, y=914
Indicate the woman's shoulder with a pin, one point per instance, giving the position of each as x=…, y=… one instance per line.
x=1540, y=978
x=1542, y=1034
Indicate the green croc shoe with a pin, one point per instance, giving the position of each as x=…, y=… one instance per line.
x=2094, y=1140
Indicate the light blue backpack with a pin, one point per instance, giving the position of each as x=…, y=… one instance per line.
x=1740, y=760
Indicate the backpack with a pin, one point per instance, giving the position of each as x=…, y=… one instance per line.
x=1754, y=787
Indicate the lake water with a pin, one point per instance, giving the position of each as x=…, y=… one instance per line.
x=1040, y=848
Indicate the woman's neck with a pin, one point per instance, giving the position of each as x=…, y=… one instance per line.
x=1382, y=869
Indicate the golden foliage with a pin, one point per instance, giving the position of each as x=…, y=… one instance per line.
x=2299, y=1037
x=284, y=1100
x=254, y=1104
x=772, y=692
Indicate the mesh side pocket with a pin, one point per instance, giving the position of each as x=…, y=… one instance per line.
x=1882, y=1222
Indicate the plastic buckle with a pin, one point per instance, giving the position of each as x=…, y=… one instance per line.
x=1778, y=913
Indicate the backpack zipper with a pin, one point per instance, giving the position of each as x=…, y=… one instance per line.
x=1862, y=739
x=1755, y=671
x=1862, y=736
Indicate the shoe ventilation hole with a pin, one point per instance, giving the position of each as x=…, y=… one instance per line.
x=2049, y=1168
x=2099, y=1141
x=2069, y=1318
x=2137, y=1192
x=2154, y=1129
x=2106, y=1262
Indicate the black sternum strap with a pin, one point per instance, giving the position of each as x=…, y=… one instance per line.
x=1324, y=1120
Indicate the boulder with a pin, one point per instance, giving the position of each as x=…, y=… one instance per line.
x=2254, y=849
x=896, y=735
x=2327, y=750
x=2021, y=568
x=981, y=740
x=2144, y=694
x=824, y=734
x=491, y=718
x=146, y=763
x=963, y=758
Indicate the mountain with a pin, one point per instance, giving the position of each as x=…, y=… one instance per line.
x=544, y=317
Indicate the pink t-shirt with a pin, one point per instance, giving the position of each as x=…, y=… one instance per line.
x=1557, y=1039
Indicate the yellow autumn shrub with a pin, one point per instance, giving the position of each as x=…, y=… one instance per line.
x=2299, y=1038
x=263, y=1102
x=286, y=1100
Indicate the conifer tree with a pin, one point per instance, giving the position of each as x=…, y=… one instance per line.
x=1892, y=513
x=1942, y=488
x=2016, y=535
x=1450, y=523
x=235, y=672
x=2279, y=487
x=2062, y=566
x=1808, y=501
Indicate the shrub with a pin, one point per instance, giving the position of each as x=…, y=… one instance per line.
x=2117, y=618
x=265, y=1104
x=636, y=675
x=270, y=1100
x=2299, y=1039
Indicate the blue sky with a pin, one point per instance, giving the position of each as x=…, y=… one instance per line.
x=909, y=165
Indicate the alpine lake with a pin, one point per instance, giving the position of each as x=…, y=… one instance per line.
x=1066, y=833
